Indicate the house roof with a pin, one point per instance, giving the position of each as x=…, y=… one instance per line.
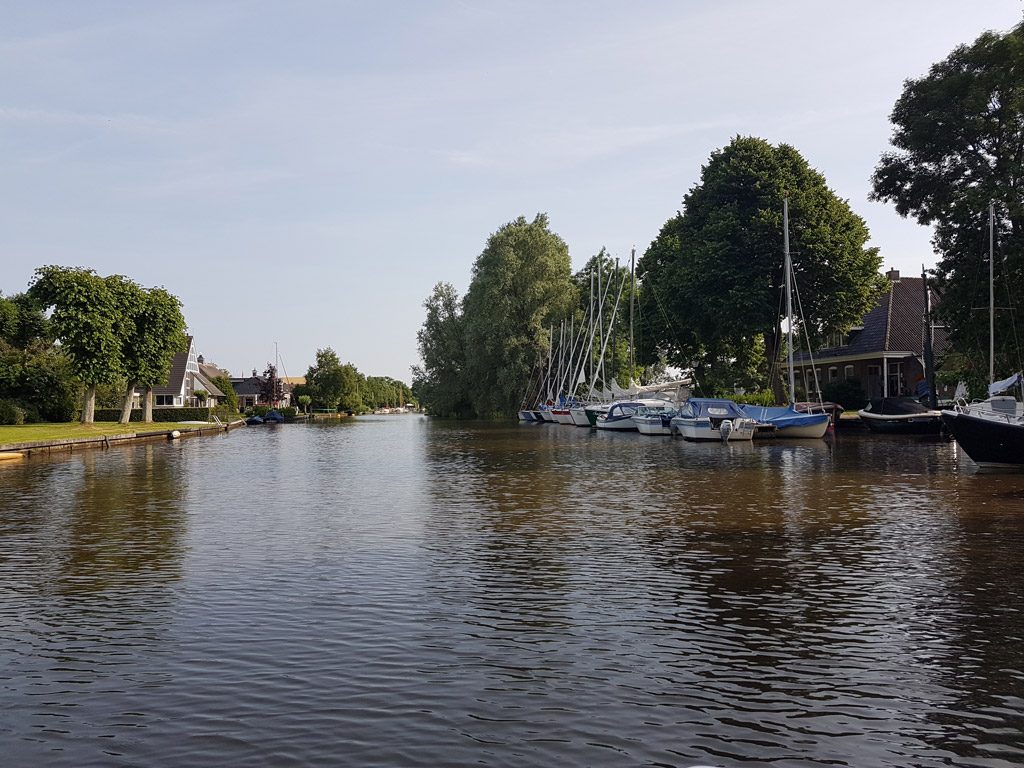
x=176, y=376
x=253, y=385
x=212, y=371
x=894, y=324
x=201, y=382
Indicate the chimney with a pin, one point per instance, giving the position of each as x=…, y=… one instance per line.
x=254, y=374
x=200, y=360
x=894, y=275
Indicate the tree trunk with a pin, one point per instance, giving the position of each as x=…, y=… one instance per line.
x=89, y=404
x=126, y=408
x=147, y=407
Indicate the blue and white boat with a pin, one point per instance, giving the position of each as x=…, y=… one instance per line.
x=788, y=421
x=705, y=418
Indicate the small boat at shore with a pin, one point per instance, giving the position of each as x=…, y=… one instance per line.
x=704, y=419
x=789, y=422
x=654, y=420
x=900, y=416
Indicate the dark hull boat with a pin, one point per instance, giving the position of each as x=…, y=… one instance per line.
x=900, y=416
x=992, y=436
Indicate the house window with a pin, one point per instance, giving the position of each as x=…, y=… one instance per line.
x=895, y=383
x=165, y=399
x=837, y=340
x=874, y=370
x=848, y=372
x=833, y=373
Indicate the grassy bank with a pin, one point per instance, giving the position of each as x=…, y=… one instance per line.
x=28, y=433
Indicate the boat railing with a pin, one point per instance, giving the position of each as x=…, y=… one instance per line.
x=983, y=409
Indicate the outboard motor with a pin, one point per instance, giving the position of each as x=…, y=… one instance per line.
x=725, y=429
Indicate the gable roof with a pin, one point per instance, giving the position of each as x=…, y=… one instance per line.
x=176, y=376
x=895, y=324
x=201, y=382
x=211, y=371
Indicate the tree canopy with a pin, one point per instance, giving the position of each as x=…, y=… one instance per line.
x=521, y=282
x=440, y=383
x=110, y=329
x=958, y=138
x=712, y=279
x=35, y=375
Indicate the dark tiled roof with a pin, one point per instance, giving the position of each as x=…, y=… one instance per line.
x=894, y=324
x=211, y=372
x=250, y=386
x=176, y=378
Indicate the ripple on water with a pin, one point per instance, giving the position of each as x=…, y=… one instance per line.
x=405, y=592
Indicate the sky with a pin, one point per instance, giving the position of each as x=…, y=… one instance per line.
x=302, y=174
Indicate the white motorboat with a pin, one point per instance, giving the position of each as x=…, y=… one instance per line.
x=620, y=414
x=654, y=420
x=702, y=418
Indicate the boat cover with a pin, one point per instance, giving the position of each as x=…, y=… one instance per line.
x=896, y=406
x=783, y=416
x=709, y=408
x=1001, y=386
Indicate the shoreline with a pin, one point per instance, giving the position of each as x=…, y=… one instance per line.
x=12, y=451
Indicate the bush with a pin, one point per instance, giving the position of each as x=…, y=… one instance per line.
x=754, y=398
x=848, y=393
x=11, y=412
x=159, y=414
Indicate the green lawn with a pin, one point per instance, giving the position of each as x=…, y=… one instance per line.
x=27, y=433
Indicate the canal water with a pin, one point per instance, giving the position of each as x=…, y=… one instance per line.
x=398, y=591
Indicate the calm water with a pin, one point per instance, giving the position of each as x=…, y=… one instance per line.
x=395, y=591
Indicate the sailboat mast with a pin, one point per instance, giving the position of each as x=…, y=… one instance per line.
x=929, y=342
x=991, y=293
x=632, y=295
x=590, y=329
x=789, y=297
x=600, y=320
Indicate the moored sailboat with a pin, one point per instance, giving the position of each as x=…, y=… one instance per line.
x=991, y=432
x=787, y=420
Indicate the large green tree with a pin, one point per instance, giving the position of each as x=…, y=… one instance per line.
x=34, y=373
x=440, y=383
x=521, y=282
x=958, y=143
x=326, y=379
x=712, y=279
x=153, y=332
x=86, y=317
x=352, y=389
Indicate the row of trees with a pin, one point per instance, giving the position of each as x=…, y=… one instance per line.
x=707, y=290
x=333, y=385
x=711, y=282
x=100, y=330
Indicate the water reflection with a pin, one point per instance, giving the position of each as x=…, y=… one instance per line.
x=410, y=592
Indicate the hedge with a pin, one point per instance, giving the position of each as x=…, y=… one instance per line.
x=159, y=414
